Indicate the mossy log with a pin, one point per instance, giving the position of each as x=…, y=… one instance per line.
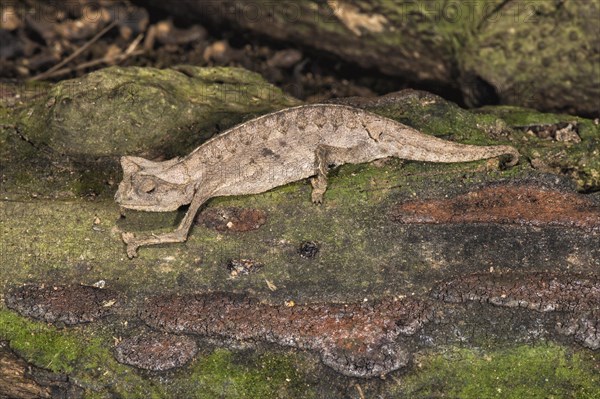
x=538, y=54
x=386, y=235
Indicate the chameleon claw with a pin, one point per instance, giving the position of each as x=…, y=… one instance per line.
x=317, y=198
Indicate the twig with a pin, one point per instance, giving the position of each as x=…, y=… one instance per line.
x=360, y=391
x=104, y=60
x=95, y=62
x=134, y=44
x=76, y=53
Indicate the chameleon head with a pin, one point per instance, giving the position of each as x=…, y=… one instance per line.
x=153, y=186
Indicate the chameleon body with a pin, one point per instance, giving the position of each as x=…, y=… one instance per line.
x=274, y=150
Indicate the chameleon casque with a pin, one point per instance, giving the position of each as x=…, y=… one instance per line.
x=273, y=150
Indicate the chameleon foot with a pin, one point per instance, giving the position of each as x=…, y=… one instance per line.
x=317, y=192
x=132, y=244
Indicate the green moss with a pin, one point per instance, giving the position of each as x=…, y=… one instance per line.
x=580, y=161
x=520, y=116
x=44, y=346
x=539, y=371
x=221, y=375
x=86, y=357
x=116, y=111
x=529, y=60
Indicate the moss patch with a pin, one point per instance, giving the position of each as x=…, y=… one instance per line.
x=44, y=346
x=222, y=375
x=86, y=357
x=117, y=111
x=82, y=354
x=530, y=59
x=541, y=371
x=580, y=161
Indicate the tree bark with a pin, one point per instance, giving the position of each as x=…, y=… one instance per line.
x=22, y=380
x=284, y=269
x=538, y=54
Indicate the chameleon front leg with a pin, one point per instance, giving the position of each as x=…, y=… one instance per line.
x=178, y=235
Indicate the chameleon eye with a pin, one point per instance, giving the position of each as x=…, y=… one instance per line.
x=147, y=186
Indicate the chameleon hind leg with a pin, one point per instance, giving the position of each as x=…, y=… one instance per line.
x=178, y=235
x=326, y=157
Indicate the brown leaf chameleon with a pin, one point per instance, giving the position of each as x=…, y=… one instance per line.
x=273, y=150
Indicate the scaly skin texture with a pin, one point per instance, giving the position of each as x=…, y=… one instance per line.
x=274, y=150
